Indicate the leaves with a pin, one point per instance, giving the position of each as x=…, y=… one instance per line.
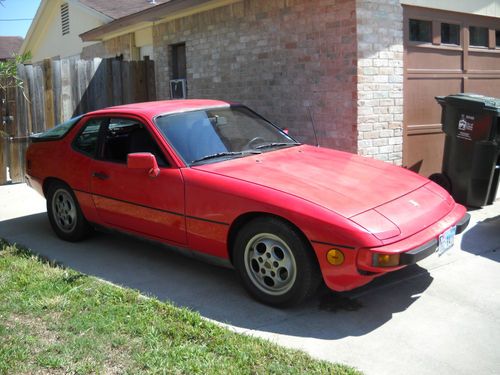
x=8, y=72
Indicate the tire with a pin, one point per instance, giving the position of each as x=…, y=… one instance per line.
x=442, y=180
x=64, y=213
x=275, y=263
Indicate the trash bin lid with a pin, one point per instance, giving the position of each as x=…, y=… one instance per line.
x=472, y=101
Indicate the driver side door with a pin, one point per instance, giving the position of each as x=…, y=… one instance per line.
x=130, y=199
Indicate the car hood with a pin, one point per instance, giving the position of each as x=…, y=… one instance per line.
x=342, y=182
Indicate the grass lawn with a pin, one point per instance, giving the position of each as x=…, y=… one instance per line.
x=57, y=321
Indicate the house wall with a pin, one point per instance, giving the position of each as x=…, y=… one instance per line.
x=123, y=45
x=291, y=60
x=380, y=79
x=47, y=40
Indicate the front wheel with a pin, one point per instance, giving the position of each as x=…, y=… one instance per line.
x=64, y=213
x=276, y=264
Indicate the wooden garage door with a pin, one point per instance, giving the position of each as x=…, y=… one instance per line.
x=445, y=53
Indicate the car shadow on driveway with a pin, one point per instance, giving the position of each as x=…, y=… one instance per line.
x=215, y=292
x=483, y=239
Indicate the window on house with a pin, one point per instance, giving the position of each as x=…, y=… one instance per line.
x=478, y=36
x=65, y=18
x=179, y=61
x=450, y=33
x=420, y=31
x=497, y=37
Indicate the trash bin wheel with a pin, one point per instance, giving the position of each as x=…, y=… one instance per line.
x=442, y=180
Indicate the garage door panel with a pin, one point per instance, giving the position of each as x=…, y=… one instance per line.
x=480, y=61
x=484, y=86
x=425, y=153
x=421, y=107
x=431, y=58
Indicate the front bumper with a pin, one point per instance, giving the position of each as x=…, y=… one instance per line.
x=415, y=248
x=421, y=252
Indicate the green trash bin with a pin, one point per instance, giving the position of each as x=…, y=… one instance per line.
x=471, y=165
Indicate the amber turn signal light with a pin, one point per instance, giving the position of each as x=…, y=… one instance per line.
x=385, y=260
x=335, y=257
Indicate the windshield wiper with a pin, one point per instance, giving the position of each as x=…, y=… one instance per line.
x=225, y=154
x=276, y=144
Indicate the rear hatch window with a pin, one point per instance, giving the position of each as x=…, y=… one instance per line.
x=57, y=132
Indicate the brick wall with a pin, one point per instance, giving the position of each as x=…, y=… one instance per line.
x=380, y=79
x=291, y=60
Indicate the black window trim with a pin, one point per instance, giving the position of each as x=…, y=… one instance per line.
x=80, y=131
x=101, y=138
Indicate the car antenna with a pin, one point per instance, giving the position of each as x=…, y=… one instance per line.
x=313, y=127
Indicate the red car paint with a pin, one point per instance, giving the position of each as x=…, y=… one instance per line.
x=336, y=199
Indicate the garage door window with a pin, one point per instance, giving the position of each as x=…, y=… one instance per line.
x=450, y=34
x=478, y=36
x=420, y=31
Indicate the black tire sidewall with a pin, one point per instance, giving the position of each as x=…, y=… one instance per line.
x=81, y=229
x=307, y=273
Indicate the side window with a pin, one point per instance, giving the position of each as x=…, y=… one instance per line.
x=125, y=136
x=86, y=141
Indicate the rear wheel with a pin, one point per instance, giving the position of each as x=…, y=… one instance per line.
x=64, y=213
x=277, y=266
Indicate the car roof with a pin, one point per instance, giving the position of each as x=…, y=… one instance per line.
x=164, y=107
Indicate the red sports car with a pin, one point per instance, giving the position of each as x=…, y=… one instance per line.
x=220, y=180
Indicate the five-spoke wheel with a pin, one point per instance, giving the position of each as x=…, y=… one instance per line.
x=64, y=210
x=275, y=262
x=64, y=213
x=270, y=264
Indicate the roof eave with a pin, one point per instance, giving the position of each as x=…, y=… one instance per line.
x=151, y=15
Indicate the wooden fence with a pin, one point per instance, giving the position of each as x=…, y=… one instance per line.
x=56, y=90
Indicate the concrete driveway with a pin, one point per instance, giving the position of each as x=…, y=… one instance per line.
x=440, y=317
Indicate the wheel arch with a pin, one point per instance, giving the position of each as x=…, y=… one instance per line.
x=247, y=217
x=49, y=181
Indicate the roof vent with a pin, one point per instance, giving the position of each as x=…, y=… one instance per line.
x=65, y=18
x=152, y=2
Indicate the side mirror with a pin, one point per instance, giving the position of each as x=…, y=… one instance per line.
x=143, y=160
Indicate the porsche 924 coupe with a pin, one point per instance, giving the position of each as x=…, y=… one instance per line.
x=219, y=180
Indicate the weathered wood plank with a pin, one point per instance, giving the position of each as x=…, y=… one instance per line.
x=75, y=95
x=117, y=89
x=126, y=79
x=48, y=97
x=38, y=99
x=3, y=160
x=15, y=167
x=150, y=79
x=141, y=93
x=22, y=100
x=56, y=89
x=66, y=91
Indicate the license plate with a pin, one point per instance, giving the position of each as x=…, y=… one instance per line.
x=446, y=240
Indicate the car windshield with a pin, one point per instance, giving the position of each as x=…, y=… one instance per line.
x=216, y=134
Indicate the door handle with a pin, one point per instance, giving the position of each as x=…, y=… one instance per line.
x=100, y=175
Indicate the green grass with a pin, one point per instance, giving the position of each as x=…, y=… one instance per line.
x=56, y=320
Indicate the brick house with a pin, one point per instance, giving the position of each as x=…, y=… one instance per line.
x=365, y=72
